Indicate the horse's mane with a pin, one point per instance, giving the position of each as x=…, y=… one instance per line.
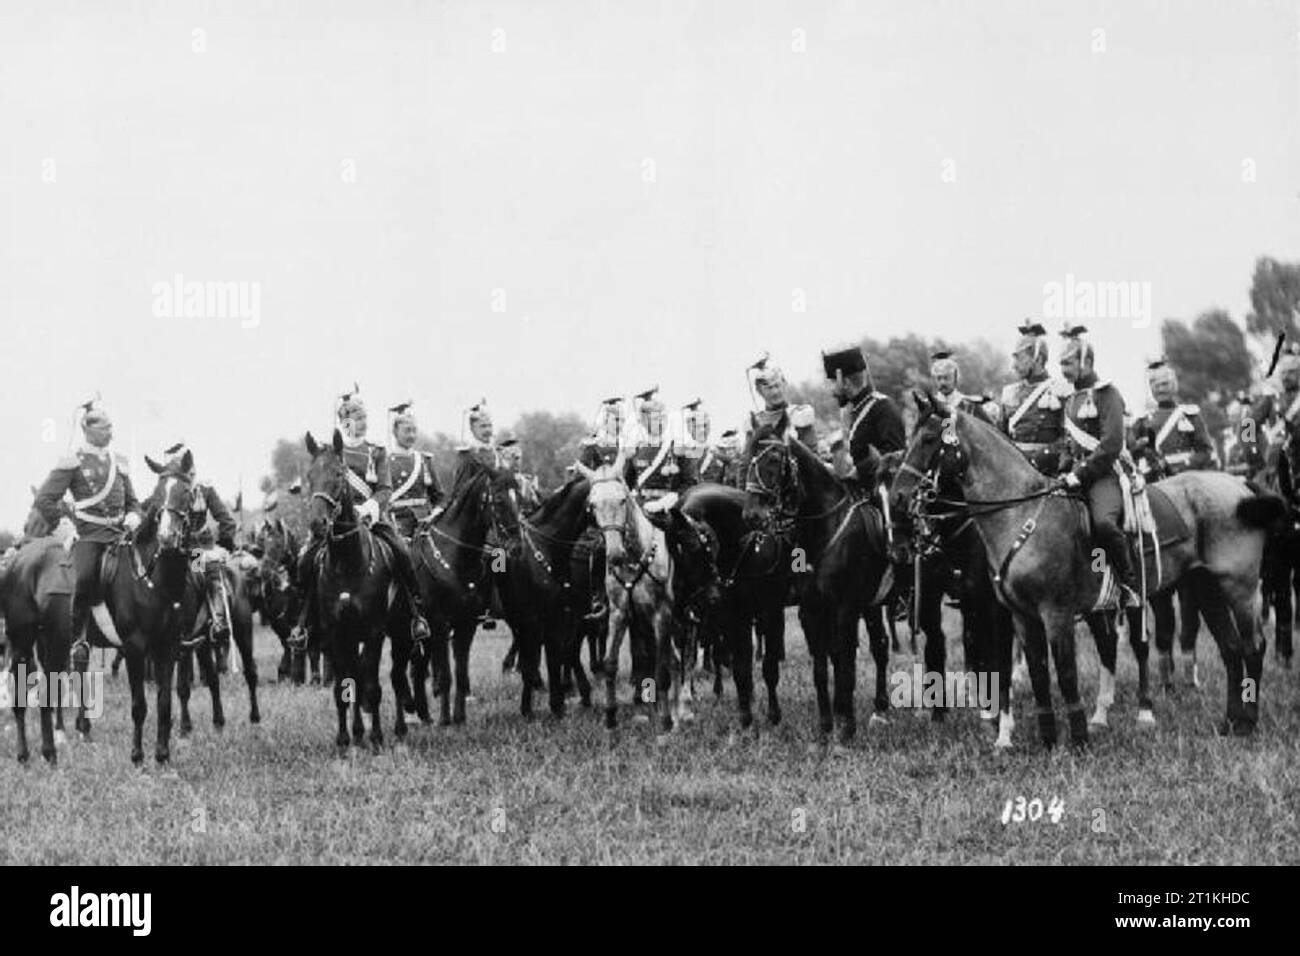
x=813, y=472
x=461, y=498
x=552, y=506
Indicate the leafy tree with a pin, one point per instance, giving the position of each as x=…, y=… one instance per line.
x=549, y=443
x=1275, y=299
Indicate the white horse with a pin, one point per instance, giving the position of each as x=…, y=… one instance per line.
x=638, y=581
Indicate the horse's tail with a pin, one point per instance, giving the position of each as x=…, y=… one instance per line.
x=1261, y=510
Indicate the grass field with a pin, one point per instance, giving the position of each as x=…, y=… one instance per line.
x=500, y=790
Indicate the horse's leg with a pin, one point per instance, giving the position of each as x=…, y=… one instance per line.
x=242, y=631
x=618, y=626
x=1189, y=627
x=184, y=675
x=1060, y=632
x=553, y=637
x=164, y=665
x=772, y=627
x=20, y=656
x=666, y=689
x=742, y=665
x=139, y=706
x=1277, y=572
x=1137, y=640
x=439, y=659
x=1003, y=641
x=844, y=653
x=373, y=650
x=398, y=678
x=812, y=619
x=1033, y=637
x=575, y=663
x=1162, y=611
x=208, y=668
x=463, y=639
x=878, y=639
x=1102, y=625
x=933, y=583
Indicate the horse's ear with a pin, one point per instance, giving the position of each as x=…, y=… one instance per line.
x=156, y=468
x=295, y=486
x=187, y=461
x=338, y=442
x=313, y=449
x=922, y=403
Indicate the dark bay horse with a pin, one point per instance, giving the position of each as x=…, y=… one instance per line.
x=354, y=593
x=536, y=587
x=36, y=601
x=1034, y=535
x=454, y=568
x=847, y=575
x=278, y=600
x=171, y=499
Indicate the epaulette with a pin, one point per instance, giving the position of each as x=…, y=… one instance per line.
x=802, y=416
x=1190, y=409
x=68, y=463
x=1009, y=392
x=1061, y=388
x=461, y=449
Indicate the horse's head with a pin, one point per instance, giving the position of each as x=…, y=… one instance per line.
x=771, y=472
x=694, y=548
x=610, y=503
x=168, y=508
x=326, y=483
x=934, y=453
x=501, y=502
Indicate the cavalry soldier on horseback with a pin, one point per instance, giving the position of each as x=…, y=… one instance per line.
x=653, y=471
x=478, y=453
x=371, y=484
x=695, y=449
x=416, y=493
x=1236, y=452
x=721, y=462
x=211, y=552
x=1277, y=413
x=1173, y=437
x=601, y=447
x=1033, y=407
x=945, y=373
x=874, y=425
x=772, y=426
x=1094, y=425
x=512, y=460
x=103, y=504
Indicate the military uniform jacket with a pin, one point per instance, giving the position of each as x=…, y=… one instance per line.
x=472, y=460
x=874, y=427
x=415, y=483
x=371, y=478
x=1172, y=438
x=101, y=493
x=775, y=425
x=1032, y=410
x=1277, y=417
x=1094, y=427
x=655, y=468
x=205, y=503
x=713, y=466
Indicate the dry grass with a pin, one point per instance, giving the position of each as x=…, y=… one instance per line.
x=504, y=791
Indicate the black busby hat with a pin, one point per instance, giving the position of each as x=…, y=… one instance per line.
x=845, y=361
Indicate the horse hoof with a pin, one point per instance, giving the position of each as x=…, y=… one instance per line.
x=255, y=718
x=1003, y=744
x=1146, y=718
x=60, y=739
x=51, y=758
x=988, y=715
x=1099, y=719
x=137, y=758
x=773, y=716
x=938, y=716
x=878, y=720
x=840, y=749
x=24, y=757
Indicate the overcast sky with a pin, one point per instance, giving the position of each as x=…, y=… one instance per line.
x=546, y=203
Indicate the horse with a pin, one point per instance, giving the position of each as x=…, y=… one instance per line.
x=172, y=494
x=1281, y=570
x=640, y=574
x=354, y=594
x=453, y=566
x=1035, y=536
x=36, y=584
x=536, y=587
x=278, y=599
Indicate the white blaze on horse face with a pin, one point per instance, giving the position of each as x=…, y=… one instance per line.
x=165, y=522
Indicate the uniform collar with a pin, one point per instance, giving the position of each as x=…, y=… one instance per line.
x=1167, y=403
x=1033, y=378
x=1085, y=380
x=88, y=449
x=398, y=450
x=354, y=443
x=862, y=396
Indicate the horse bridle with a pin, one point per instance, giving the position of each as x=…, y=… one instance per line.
x=647, y=557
